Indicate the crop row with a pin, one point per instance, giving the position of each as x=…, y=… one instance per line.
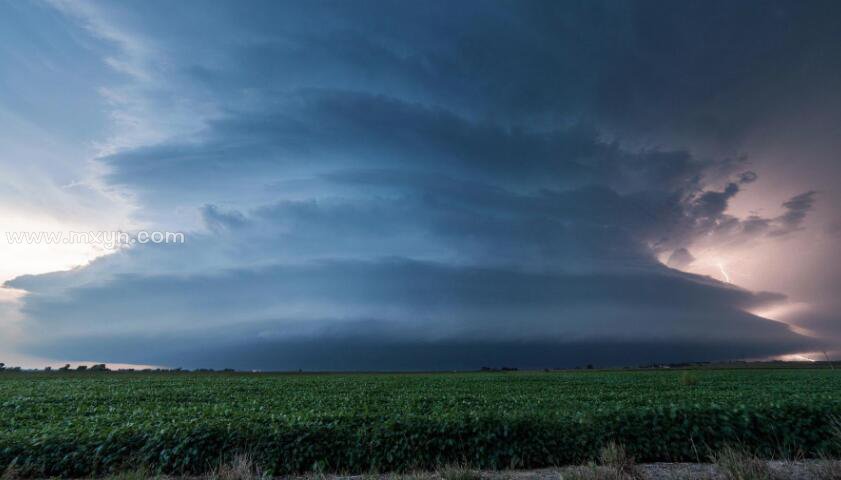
x=93, y=425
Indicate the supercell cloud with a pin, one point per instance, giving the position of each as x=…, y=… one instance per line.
x=391, y=185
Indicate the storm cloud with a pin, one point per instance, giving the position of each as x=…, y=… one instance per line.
x=390, y=186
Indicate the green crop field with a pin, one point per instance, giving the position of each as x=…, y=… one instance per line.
x=81, y=424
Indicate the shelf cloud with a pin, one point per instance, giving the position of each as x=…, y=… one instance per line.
x=393, y=186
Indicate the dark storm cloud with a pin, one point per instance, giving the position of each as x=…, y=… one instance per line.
x=796, y=209
x=316, y=131
x=713, y=204
x=423, y=284
x=748, y=177
x=398, y=303
x=714, y=67
x=432, y=185
x=404, y=212
x=680, y=258
x=489, y=181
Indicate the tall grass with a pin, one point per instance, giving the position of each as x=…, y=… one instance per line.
x=736, y=464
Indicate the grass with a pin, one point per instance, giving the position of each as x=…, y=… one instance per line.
x=736, y=464
x=242, y=467
x=614, y=463
x=458, y=472
x=138, y=474
x=616, y=460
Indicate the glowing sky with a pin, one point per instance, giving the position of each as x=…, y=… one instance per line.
x=393, y=185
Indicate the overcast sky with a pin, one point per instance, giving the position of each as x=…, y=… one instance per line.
x=421, y=185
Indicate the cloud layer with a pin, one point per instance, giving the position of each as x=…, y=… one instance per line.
x=392, y=186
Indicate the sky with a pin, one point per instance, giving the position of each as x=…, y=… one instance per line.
x=383, y=185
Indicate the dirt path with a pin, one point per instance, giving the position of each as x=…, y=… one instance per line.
x=761, y=470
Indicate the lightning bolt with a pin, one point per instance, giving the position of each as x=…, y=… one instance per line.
x=723, y=272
